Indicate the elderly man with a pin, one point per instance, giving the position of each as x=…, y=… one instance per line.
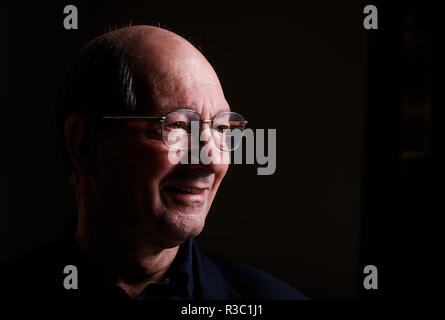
x=125, y=98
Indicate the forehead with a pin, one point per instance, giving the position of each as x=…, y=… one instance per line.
x=178, y=82
x=172, y=93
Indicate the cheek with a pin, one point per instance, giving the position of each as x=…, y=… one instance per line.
x=151, y=166
x=135, y=166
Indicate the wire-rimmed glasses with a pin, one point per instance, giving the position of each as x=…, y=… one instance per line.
x=179, y=125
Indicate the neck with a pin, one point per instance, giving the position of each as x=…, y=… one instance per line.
x=119, y=254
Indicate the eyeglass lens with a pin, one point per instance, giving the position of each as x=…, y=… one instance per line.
x=226, y=129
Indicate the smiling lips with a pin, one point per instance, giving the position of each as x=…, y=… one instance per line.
x=186, y=194
x=187, y=190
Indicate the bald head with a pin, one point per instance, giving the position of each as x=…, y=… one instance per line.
x=168, y=70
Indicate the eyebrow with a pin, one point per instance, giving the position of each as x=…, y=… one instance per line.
x=167, y=108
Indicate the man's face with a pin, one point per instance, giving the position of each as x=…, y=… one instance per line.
x=149, y=197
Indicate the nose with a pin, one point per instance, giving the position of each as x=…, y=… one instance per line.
x=206, y=138
x=209, y=154
x=206, y=144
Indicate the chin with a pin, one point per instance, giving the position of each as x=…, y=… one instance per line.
x=179, y=228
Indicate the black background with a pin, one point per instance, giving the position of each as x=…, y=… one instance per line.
x=341, y=197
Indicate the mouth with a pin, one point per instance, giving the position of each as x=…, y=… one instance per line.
x=184, y=190
x=185, y=195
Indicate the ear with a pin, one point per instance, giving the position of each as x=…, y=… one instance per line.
x=78, y=137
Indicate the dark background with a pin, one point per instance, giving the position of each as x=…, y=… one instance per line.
x=357, y=114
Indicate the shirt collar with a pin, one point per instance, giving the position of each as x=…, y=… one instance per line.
x=181, y=269
x=178, y=282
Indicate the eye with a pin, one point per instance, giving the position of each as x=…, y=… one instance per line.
x=222, y=128
x=177, y=125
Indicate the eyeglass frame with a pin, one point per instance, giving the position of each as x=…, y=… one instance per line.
x=163, y=117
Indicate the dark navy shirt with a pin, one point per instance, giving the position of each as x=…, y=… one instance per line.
x=193, y=275
x=178, y=282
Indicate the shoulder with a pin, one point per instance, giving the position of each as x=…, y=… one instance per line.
x=253, y=283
